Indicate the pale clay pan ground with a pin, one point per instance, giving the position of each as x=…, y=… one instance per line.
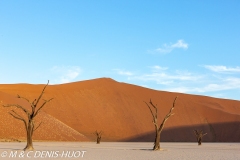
x=121, y=151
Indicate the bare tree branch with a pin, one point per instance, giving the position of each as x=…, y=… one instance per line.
x=168, y=115
x=29, y=122
x=156, y=111
x=37, y=126
x=41, y=94
x=18, y=96
x=18, y=117
x=46, y=101
x=199, y=134
x=31, y=104
x=150, y=109
x=18, y=106
x=99, y=136
x=17, y=114
x=159, y=129
x=195, y=132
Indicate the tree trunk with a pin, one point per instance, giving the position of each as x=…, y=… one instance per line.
x=199, y=141
x=157, y=141
x=199, y=135
x=31, y=114
x=98, y=140
x=159, y=129
x=29, y=145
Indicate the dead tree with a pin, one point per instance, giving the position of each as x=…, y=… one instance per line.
x=158, y=129
x=199, y=135
x=99, y=136
x=28, y=120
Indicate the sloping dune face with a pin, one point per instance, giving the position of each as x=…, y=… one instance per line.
x=50, y=128
x=118, y=109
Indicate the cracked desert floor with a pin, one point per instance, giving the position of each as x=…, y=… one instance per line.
x=121, y=151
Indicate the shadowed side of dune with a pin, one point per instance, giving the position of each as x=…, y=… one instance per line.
x=218, y=132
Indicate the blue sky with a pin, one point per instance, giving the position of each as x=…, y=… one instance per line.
x=184, y=46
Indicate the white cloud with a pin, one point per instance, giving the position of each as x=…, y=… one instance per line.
x=221, y=85
x=65, y=74
x=181, y=89
x=123, y=72
x=180, y=44
x=164, y=49
x=222, y=69
x=167, y=48
x=158, y=68
x=160, y=76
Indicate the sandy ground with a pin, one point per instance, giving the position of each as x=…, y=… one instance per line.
x=120, y=151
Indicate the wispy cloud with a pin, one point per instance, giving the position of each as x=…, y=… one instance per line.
x=222, y=69
x=161, y=75
x=184, y=81
x=65, y=74
x=123, y=72
x=158, y=68
x=167, y=48
x=211, y=84
x=227, y=84
x=166, y=78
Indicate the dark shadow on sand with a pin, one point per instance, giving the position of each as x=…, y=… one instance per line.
x=216, y=132
x=13, y=149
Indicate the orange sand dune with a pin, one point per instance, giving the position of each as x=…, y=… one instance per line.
x=50, y=129
x=118, y=109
